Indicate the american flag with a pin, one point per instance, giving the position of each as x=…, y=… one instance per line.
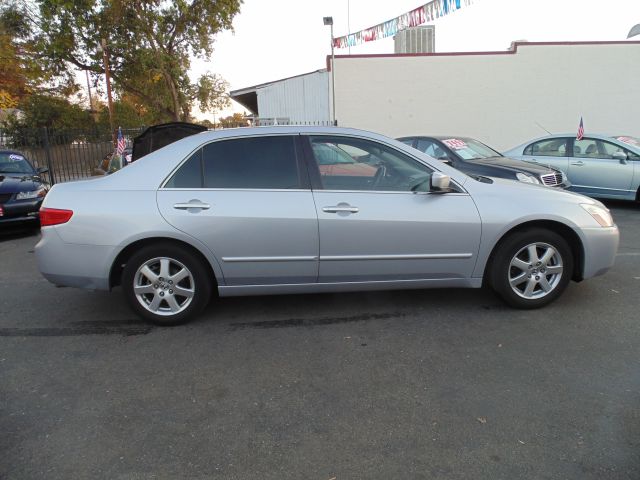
x=121, y=143
x=580, y=130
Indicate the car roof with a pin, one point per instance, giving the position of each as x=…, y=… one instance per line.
x=439, y=137
x=600, y=136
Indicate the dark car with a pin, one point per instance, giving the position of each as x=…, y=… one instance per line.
x=158, y=136
x=21, y=189
x=477, y=159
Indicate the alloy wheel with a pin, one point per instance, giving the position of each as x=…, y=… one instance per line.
x=535, y=271
x=164, y=286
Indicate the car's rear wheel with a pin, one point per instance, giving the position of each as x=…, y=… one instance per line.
x=531, y=268
x=166, y=284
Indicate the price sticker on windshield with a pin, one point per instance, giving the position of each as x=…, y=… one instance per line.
x=16, y=158
x=455, y=143
x=629, y=141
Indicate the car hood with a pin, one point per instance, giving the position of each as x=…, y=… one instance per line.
x=510, y=164
x=11, y=183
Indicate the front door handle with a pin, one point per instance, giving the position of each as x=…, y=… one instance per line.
x=579, y=163
x=340, y=209
x=195, y=204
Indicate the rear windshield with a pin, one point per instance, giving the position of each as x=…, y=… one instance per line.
x=14, y=163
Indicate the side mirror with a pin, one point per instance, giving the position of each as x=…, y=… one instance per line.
x=440, y=182
x=446, y=160
x=43, y=170
x=620, y=156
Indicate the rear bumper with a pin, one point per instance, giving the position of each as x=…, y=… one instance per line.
x=72, y=265
x=600, y=249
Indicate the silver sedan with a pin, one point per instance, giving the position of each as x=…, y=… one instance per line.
x=301, y=209
x=601, y=166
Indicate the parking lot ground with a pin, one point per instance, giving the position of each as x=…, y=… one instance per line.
x=438, y=384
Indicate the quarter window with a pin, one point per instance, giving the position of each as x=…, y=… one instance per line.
x=189, y=175
x=554, y=147
x=355, y=164
x=257, y=163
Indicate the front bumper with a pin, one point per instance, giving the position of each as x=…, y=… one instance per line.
x=73, y=265
x=21, y=211
x=600, y=249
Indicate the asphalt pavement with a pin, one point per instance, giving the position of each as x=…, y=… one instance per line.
x=434, y=384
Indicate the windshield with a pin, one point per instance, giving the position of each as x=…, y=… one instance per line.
x=469, y=149
x=633, y=141
x=14, y=163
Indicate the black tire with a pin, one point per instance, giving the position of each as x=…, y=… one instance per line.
x=511, y=261
x=197, y=285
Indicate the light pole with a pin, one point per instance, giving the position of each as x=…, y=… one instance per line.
x=329, y=21
x=105, y=59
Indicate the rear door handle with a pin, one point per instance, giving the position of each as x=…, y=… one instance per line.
x=196, y=204
x=579, y=163
x=340, y=208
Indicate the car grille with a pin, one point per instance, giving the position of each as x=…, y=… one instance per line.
x=552, y=179
x=5, y=197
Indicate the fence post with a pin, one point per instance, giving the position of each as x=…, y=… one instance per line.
x=47, y=152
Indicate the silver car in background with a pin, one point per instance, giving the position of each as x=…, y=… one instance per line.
x=275, y=210
x=600, y=166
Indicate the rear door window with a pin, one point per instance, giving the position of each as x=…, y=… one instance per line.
x=553, y=147
x=252, y=163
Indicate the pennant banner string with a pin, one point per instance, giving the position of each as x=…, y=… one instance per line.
x=426, y=13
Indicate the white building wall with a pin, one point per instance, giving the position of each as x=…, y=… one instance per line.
x=497, y=98
x=300, y=99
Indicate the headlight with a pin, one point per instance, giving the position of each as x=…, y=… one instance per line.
x=599, y=214
x=526, y=178
x=41, y=192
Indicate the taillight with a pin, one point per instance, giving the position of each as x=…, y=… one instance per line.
x=54, y=216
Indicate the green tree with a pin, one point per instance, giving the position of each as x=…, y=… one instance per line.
x=22, y=71
x=206, y=123
x=235, y=120
x=53, y=112
x=126, y=114
x=149, y=44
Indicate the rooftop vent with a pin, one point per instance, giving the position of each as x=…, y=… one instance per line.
x=416, y=40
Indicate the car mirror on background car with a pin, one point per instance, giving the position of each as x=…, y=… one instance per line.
x=621, y=156
x=43, y=170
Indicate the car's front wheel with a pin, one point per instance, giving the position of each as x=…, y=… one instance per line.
x=166, y=284
x=531, y=268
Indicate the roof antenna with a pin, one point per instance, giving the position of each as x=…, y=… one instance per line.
x=543, y=128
